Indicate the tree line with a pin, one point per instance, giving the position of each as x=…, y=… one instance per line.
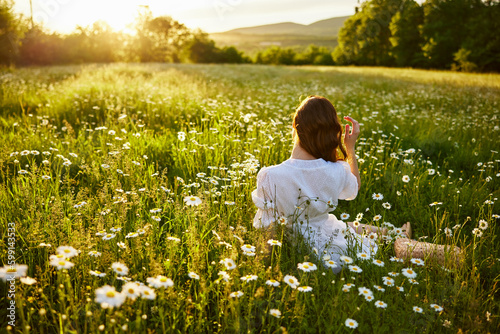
x=442, y=34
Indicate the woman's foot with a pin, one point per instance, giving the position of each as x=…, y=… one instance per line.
x=407, y=229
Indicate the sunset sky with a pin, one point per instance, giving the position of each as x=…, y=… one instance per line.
x=209, y=15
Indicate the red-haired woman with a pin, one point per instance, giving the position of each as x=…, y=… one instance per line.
x=303, y=190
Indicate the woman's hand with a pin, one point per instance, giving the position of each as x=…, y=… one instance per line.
x=350, y=137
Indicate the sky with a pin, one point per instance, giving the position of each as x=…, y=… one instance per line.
x=209, y=15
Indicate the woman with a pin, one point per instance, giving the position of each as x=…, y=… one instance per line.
x=302, y=190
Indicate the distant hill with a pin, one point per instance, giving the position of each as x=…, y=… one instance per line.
x=285, y=34
x=328, y=27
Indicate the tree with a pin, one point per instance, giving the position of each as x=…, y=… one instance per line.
x=480, y=49
x=406, y=39
x=445, y=29
x=159, y=38
x=364, y=38
x=9, y=33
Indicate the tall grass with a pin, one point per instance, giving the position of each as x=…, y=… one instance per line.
x=125, y=144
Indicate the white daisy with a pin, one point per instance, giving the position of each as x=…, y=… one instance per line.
x=119, y=268
x=408, y=272
x=291, y=281
x=275, y=313
x=108, y=297
x=192, y=200
x=351, y=323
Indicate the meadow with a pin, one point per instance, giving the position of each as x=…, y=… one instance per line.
x=125, y=200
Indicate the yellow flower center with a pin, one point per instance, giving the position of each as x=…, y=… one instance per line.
x=131, y=291
x=163, y=279
x=67, y=251
x=110, y=294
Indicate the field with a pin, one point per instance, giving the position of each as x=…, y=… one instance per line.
x=145, y=174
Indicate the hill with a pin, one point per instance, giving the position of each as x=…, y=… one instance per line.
x=284, y=34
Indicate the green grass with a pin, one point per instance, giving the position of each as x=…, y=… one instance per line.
x=237, y=118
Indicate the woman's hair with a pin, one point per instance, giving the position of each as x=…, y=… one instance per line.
x=318, y=128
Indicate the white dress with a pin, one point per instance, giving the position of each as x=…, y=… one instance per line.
x=304, y=192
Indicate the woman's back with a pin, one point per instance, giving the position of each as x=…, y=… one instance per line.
x=305, y=190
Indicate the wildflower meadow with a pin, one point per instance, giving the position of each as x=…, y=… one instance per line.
x=126, y=207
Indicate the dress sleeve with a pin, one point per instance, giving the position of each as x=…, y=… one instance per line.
x=350, y=189
x=262, y=198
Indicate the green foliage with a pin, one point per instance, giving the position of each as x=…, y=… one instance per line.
x=123, y=145
x=9, y=33
x=406, y=39
x=404, y=33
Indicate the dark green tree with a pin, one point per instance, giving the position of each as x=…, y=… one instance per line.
x=445, y=29
x=9, y=33
x=364, y=38
x=406, y=39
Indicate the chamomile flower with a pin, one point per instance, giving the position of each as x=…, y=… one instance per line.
x=396, y=259
x=229, y=263
x=67, y=251
x=380, y=304
x=249, y=278
x=61, y=264
x=119, y=268
x=364, y=291
x=28, y=280
x=363, y=256
x=379, y=288
x=273, y=242
x=369, y=298
x=16, y=271
x=448, y=232
x=387, y=281
x=406, y=178
x=351, y=323
x=417, y=309
x=224, y=276
x=97, y=273
x=307, y=266
x=160, y=281
x=95, y=253
x=412, y=281
x=147, y=292
x=355, y=269
x=194, y=275
x=378, y=263
x=436, y=307
x=344, y=216
x=408, y=272
x=377, y=218
x=236, y=294
x=304, y=288
x=131, y=235
x=477, y=232
x=331, y=264
x=131, y=290
x=346, y=259
x=108, y=297
x=192, y=200
x=282, y=220
x=248, y=248
x=272, y=282
x=483, y=224
x=418, y=262
x=108, y=236
x=275, y=313
x=386, y=205
x=378, y=196
x=393, y=274
x=400, y=288
x=291, y=281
